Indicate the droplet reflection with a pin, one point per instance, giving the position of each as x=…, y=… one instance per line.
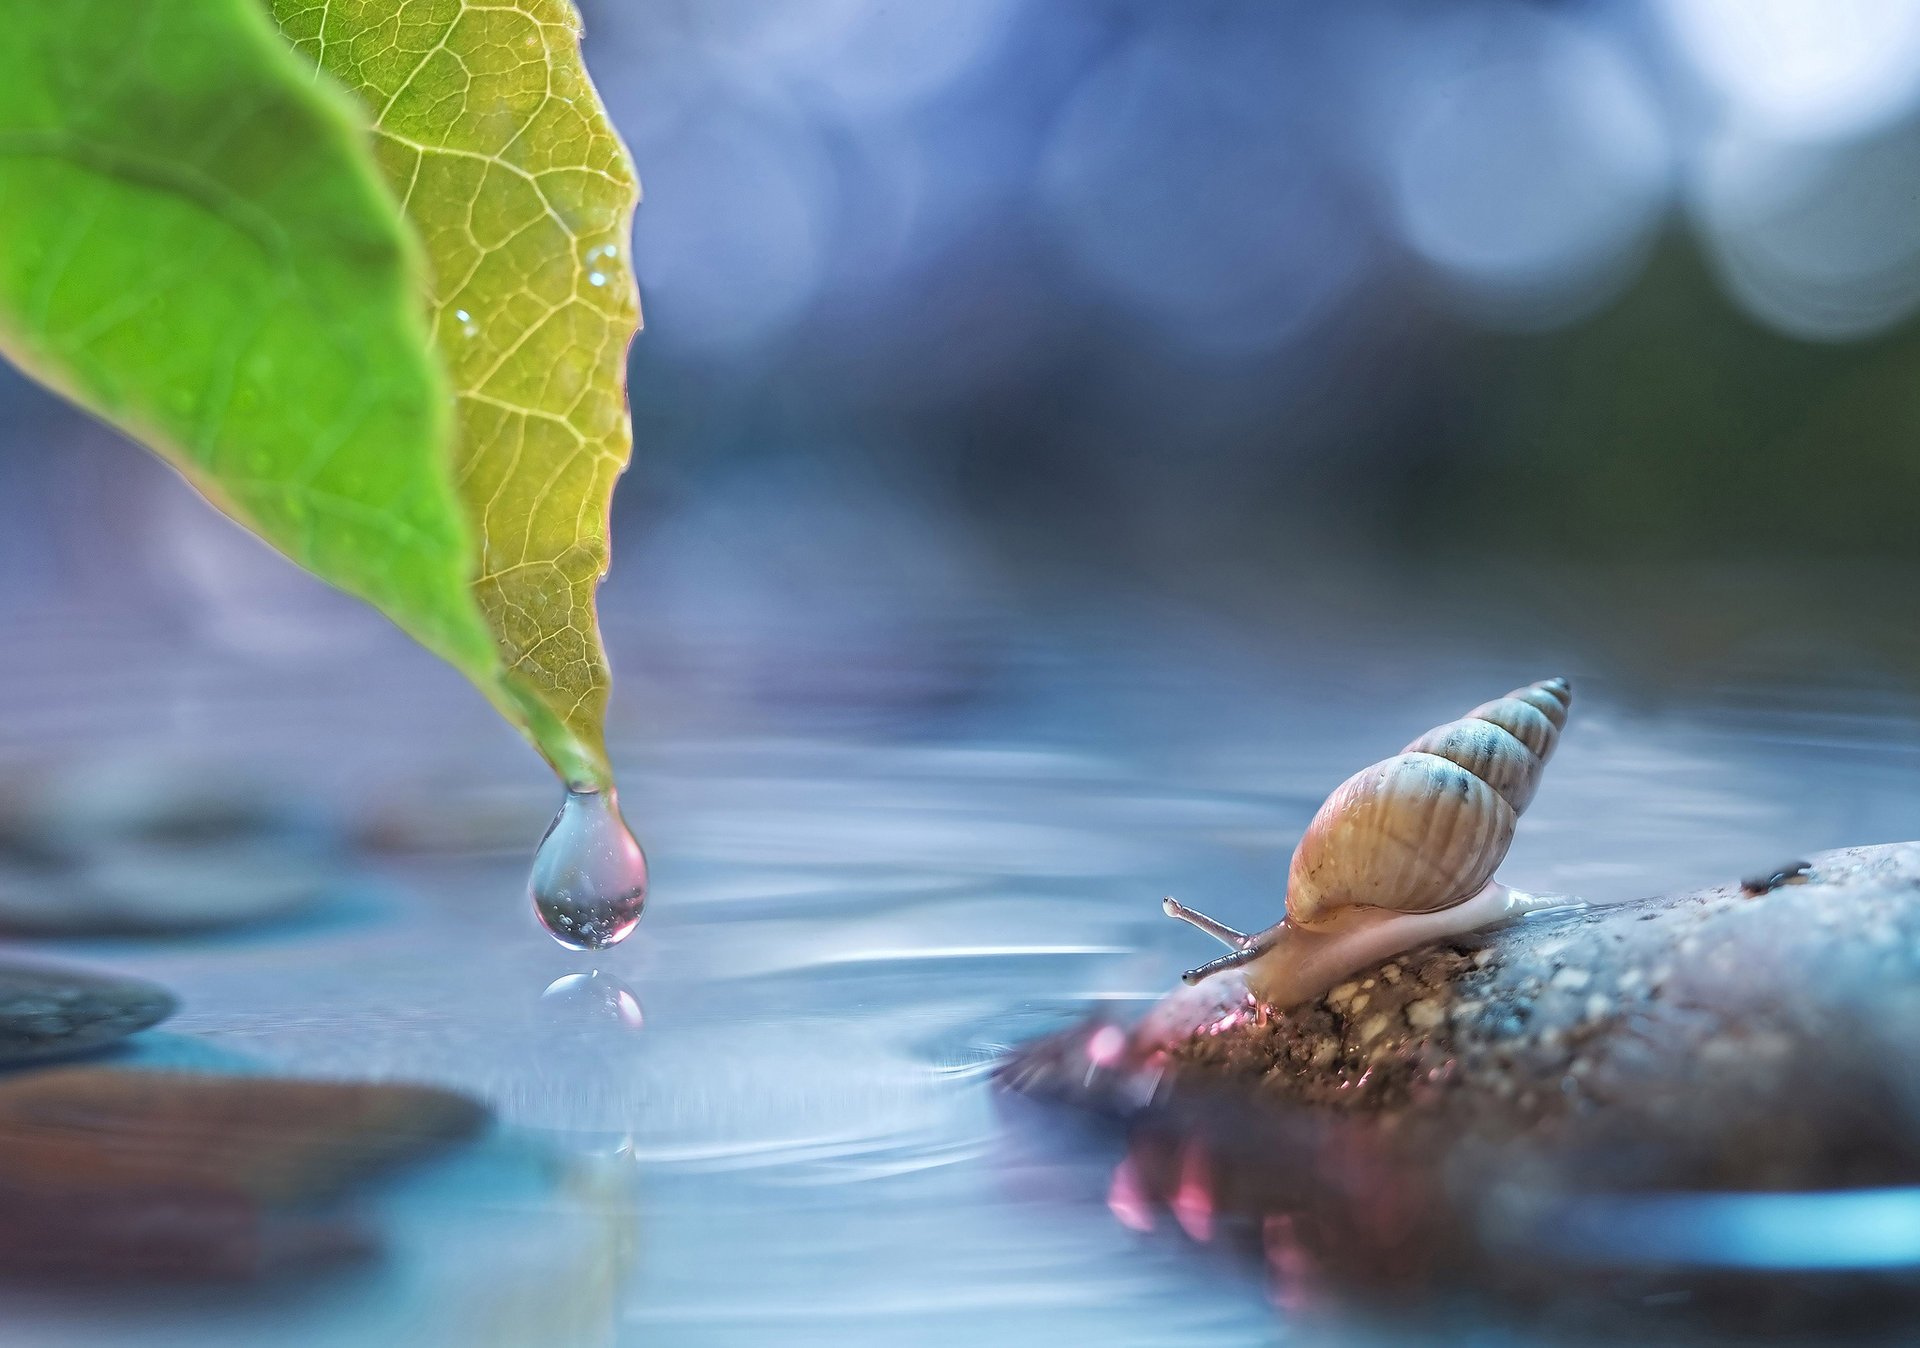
x=595, y=996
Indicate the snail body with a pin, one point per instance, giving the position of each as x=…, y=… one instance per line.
x=1403, y=852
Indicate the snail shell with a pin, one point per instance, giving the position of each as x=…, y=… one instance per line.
x=1404, y=851
x=1425, y=829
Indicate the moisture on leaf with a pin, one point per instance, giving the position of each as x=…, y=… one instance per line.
x=498, y=148
x=196, y=245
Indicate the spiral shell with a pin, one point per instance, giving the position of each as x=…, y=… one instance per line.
x=1425, y=829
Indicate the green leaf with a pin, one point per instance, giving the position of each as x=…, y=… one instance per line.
x=196, y=245
x=505, y=161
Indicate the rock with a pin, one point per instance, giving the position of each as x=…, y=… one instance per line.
x=48, y=1012
x=144, y=849
x=111, y=1173
x=1491, y=1094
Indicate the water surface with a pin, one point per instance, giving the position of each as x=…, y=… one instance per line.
x=767, y=1117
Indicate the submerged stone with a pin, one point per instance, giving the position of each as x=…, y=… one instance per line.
x=48, y=1012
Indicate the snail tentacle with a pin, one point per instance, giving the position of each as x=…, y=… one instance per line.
x=1233, y=959
x=1219, y=931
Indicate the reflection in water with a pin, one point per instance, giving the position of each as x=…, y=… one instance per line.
x=1332, y=1218
x=1841, y=1229
x=595, y=996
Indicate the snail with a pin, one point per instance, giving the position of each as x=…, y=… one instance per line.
x=1403, y=853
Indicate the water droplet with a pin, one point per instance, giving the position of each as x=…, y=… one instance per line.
x=589, y=878
x=597, y=278
x=463, y=315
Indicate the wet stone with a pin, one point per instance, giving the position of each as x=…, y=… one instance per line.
x=114, y=1173
x=48, y=1012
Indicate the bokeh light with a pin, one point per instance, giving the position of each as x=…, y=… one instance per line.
x=1175, y=137
x=1526, y=160
x=1818, y=242
x=1803, y=69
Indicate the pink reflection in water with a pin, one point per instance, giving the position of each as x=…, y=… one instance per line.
x=1290, y=1269
x=1106, y=1046
x=1127, y=1198
x=1193, y=1197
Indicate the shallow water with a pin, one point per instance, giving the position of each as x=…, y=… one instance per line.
x=768, y=1116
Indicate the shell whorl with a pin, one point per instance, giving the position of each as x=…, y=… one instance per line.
x=1425, y=829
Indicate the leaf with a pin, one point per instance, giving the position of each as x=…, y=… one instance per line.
x=495, y=140
x=196, y=245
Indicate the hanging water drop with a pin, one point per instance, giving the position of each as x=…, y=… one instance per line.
x=589, y=879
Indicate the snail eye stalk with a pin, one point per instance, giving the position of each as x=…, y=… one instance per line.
x=1231, y=960
x=1219, y=931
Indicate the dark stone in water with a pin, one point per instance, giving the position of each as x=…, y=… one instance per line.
x=48, y=1012
x=109, y=1173
x=1600, y=1102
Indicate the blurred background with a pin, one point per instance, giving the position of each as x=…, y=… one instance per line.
x=1598, y=312
x=1604, y=309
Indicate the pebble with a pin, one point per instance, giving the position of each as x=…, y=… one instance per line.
x=247, y=1170
x=1426, y=1014
x=155, y=848
x=48, y=1012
